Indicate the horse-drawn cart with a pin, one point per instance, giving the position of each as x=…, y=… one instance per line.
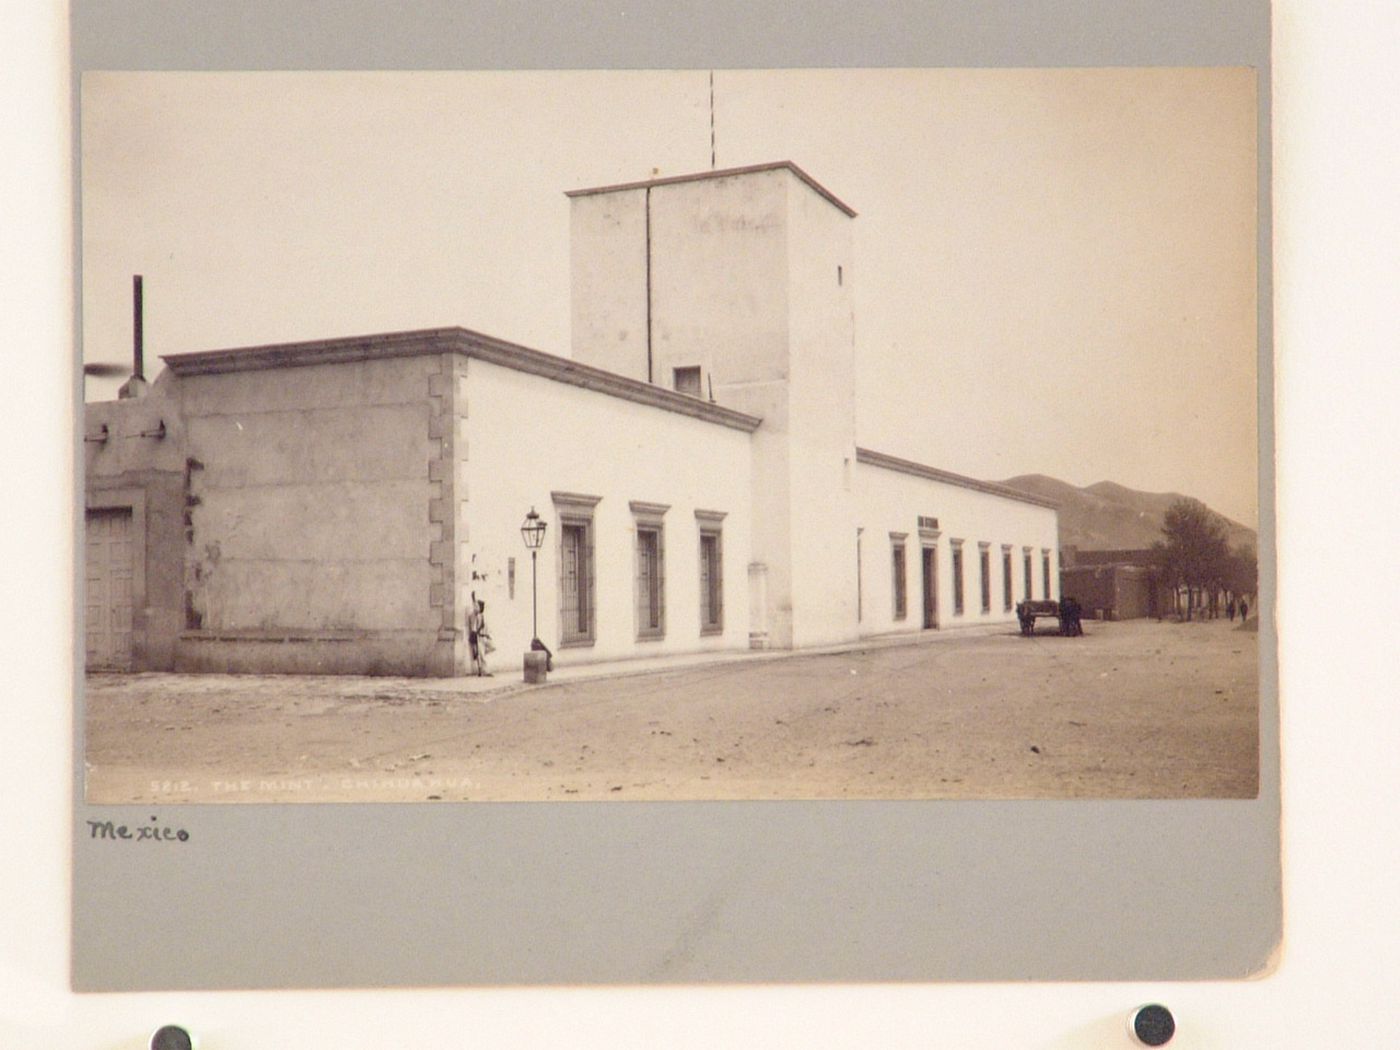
x=1066, y=611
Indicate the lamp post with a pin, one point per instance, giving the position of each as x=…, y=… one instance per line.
x=533, y=534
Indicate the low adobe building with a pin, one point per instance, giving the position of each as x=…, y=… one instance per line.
x=334, y=506
x=1123, y=584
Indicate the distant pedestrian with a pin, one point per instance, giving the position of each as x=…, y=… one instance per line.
x=1244, y=610
x=1071, y=613
x=1230, y=608
x=478, y=637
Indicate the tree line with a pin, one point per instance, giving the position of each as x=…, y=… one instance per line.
x=1195, y=554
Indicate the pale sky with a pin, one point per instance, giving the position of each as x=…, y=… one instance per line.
x=1054, y=269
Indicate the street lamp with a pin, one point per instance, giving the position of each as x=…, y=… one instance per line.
x=533, y=534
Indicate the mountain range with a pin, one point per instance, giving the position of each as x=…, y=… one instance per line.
x=1109, y=516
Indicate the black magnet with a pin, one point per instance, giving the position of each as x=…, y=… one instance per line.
x=171, y=1037
x=1154, y=1025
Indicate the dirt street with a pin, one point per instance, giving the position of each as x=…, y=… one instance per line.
x=1132, y=710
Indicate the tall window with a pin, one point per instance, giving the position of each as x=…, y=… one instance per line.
x=649, y=582
x=957, y=578
x=650, y=569
x=711, y=572
x=1045, y=564
x=1029, y=577
x=897, y=566
x=687, y=381
x=1006, y=577
x=577, y=624
x=578, y=581
x=984, y=563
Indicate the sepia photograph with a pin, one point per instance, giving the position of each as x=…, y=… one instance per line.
x=670, y=435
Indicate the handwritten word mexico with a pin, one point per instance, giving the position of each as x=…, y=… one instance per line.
x=106, y=829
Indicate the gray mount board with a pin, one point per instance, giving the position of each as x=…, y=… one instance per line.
x=522, y=893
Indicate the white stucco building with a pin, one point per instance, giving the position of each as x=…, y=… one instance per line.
x=339, y=503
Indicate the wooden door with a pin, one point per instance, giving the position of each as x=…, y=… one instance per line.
x=108, y=607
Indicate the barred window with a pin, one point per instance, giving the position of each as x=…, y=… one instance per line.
x=711, y=583
x=650, y=581
x=710, y=523
x=577, y=624
x=984, y=560
x=1006, y=578
x=650, y=569
x=957, y=577
x=898, y=566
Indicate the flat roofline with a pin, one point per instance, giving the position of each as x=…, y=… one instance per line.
x=722, y=173
x=428, y=341
x=1113, y=566
x=908, y=466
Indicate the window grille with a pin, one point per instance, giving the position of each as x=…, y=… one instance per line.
x=901, y=593
x=957, y=578
x=984, y=560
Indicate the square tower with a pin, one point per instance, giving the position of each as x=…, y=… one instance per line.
x=735, y=286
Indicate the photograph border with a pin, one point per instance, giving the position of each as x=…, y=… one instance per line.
x=384, y=895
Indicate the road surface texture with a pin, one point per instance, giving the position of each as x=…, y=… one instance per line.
x=1132, y=710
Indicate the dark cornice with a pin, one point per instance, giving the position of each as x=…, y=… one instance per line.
x=671, y=180
x=906, y=466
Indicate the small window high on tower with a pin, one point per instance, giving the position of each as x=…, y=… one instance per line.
x=687, y=380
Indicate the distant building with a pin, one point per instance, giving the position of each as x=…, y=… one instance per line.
x=333, y=506
x=1115, y=584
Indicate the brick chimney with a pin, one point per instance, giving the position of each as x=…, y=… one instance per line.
x=136, y=385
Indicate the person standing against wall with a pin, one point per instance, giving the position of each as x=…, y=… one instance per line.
x=478, y=637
